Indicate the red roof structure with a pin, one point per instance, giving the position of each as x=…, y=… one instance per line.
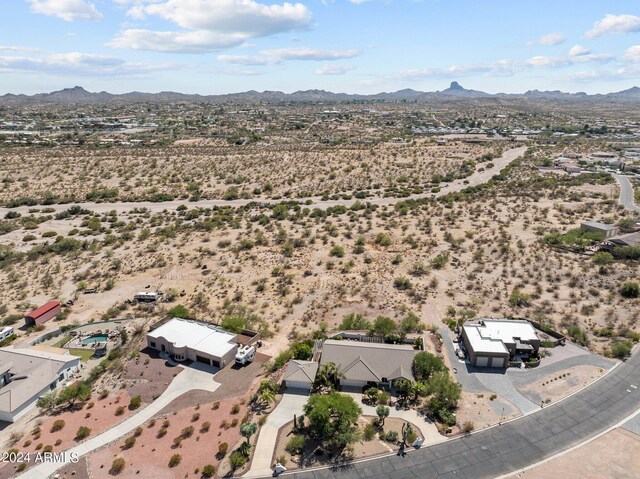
x=45, y=308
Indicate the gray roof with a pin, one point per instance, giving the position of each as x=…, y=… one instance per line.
x=632, y=239
x=39, y=370
x=303, y=371
x=601, y=226
x=361, y=361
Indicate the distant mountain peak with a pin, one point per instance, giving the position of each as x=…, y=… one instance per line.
x=455, y=86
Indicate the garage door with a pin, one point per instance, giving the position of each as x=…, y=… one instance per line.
x=298, y=385
x=202, y=359
x=482, y=361
x=497, y=362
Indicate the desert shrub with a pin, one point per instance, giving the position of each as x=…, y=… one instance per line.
x=630, y=289
x=205, y=426
x=208, y=471
x=117, y=466
x=135, y=402
x=621, y=349
x=119, y=411
x=369, y=432
x=237, y=460
x=467, y=427
x=295, y=446
x=83, y=432
x=223, y=447
x=391, y=436
x=175, y=460
x=129, y=442
x=57, y=425
x=161, y=433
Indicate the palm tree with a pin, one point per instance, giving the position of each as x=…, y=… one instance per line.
x=267, y=392
x=329, y=374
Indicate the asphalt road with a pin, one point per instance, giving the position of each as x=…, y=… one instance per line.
x=514, y=445
x=626, y=193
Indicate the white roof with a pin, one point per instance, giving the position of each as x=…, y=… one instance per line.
x=490, y=336
x=195, y=335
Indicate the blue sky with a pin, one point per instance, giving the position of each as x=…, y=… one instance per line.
x=355, y=46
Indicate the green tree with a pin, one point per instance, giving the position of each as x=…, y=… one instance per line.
x=233, y=324
x=411, y=324
x=602, y=258
x=384, y=326
x=178, y=311
x=355, y=322
x=333, y=418
x=78, y=392
x=425, y=364
x=248, y=429
x=382, y=412
x=48, y=401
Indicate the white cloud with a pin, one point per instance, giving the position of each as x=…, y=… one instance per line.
x=245, y=60
x=17, y=49
x=578, y=50
x=505, y=67
x=211, y=24
x=270, y=57
x=332, y=69
x=614, y=24
x=310, y=54
x=555, y=38
x=632, y=54
x=67, y=10
x=198, y=41
x=75, y=63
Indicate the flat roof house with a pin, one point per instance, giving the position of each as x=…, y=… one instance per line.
x=43, y=314
x=26, y=374
x=365, y=363
x=595, y=226
x=186, y=339
x=492, y=342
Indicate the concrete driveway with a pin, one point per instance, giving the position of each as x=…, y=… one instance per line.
x=292, y=403
x=190, y=378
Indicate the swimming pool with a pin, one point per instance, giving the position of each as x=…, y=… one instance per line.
x=98, y=338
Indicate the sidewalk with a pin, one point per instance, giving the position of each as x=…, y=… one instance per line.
x=262, y=463
x=190, y=378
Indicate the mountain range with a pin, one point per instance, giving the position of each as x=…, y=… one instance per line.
x=455, y=92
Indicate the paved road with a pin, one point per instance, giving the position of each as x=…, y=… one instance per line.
x=190, y=378
x=513, y=445
x=626, y=193
x=477, y=178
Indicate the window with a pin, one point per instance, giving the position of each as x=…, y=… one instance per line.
x=153, y=344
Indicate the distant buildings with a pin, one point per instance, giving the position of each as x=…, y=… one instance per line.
x=26, y=374
x=43, y=314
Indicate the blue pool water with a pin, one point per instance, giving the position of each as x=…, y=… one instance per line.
x=99, y=338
